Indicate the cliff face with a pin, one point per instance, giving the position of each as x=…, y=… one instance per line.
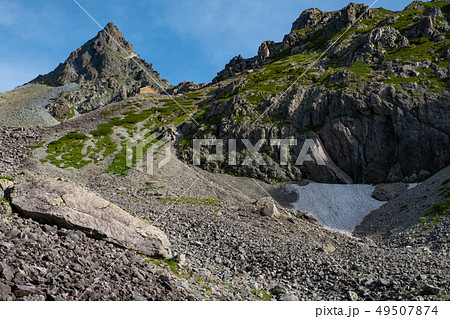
x=377, y=100
x=106, y=68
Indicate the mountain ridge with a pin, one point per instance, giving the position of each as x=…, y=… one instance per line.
x=362, y=100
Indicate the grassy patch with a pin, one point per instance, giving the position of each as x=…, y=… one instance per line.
x=442, y=208
x=67, y=151
x=7, y=178
x=273, y=78
x=71, y=150
x=406, y=18
x=39, y=145
x=164, y=262
x=186, y=141
x=360, y=68
x=262, y=295
x=119, y=165
x=420, y=49
x=430, y=222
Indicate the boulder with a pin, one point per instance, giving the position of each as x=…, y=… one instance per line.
x=25, y=290
x=56, y=202
x=266, y=207
x=430, y=290
x=310, y=217
x=352, y=296
x=6, y=272
x=386, y=192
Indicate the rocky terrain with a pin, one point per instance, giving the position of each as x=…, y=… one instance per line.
x=82, y=219
x=377, y=98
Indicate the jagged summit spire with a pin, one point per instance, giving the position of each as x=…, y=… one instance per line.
x=106, y=69
x=107, y=56
x=111, y=28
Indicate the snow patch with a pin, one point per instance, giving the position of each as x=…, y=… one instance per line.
x=336, y=206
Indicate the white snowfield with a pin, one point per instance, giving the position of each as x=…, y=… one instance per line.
x=337, y=207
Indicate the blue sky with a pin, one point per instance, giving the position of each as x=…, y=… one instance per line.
x=185, y=40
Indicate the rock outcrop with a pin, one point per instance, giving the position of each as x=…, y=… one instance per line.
x=387, y=192
x=66, y=205
x=377, y=101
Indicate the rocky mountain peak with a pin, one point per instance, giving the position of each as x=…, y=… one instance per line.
x=107, y=55
x=112, y=29
x=106, y=68
x=112, y=37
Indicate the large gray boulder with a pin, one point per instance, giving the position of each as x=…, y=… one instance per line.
x=386, y=192
x=66, y=205
x=266, y=207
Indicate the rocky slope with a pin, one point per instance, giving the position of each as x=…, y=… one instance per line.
x=225, y=250
x=377, y=100
x=419, y=217
x=377, y=105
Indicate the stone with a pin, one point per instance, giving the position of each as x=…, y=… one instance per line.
x=387, y=192
x=329, y=248
x=254, y=286
x=4, y=184
x=6, y=297
x=423, y=250
x=423, y=28
x=137, y=296
x=6, y=272
x=311, y=218
x=34, y=297
x=370, y=242
x=6, y=245
x=383, y=282
x=69, y=206
x=5, y=289
x=424, y=173
x=24, y=290
x=180, y=259
x=288, y=297
x=307, y=19
x=266, y=207
x=5, y=209
x=202, y=273
x=278, y=291
x=352, y=296
x=428, y=289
